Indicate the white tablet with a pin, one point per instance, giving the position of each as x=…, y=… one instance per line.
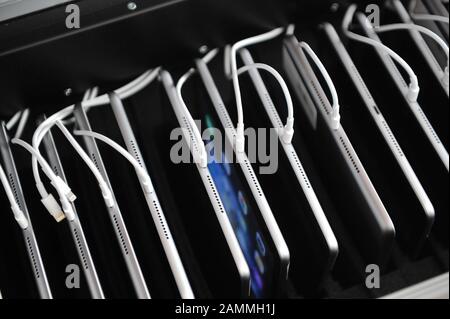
x=404, y=89
x=29, y=237
x=360, y=203
x=240, y=262
x=165, y=235
x=115, y=215
x=79, y=239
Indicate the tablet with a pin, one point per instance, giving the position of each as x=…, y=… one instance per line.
x=257, y=225
x=114, y=213
x=411, y=127
x=36, y=263
x=297, y=205
x=422, y=45
x=223, y=261
x=427, y=127
x=395, y=179
x=78, y=236
x=165, y=234
x=356, y=198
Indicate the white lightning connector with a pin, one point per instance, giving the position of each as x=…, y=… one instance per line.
x=232, y=72
x=59, y=183
x=56, y=181
x=288, y=130
x=19, y=216
x=68, y=209
x=53, y=208
x=106, y=191
x=107, y=195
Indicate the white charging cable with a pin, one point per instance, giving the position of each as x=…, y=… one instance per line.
x=231, y=70
x=428, y=32
x=106, y=192
x=65, y=193
x=124, y=92
x=336, y=115
x=414, y=88
x=288, y=130
x=18, y=213
x=143, y=176
x=200, y=155
x=199, y=152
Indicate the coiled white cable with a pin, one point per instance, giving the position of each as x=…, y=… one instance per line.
x=414, y=88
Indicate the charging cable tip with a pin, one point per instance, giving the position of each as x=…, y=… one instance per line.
x=107, y=195
x=68, y=210
x=145, y=181
x=53, y=208
x=413, y=93
x=203, y=160
x=288, y=131
x=20, y=217
x=59, y=184
x=336, y=121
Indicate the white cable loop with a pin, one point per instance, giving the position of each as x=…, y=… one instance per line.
x=288, y=131
x=428, y=32
x=336, y=115
x=200, y=153
x=124, y=92
x=414, y=88
x=141, y=172
x=232, y=70
x=106, y=191
x=63, y=190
